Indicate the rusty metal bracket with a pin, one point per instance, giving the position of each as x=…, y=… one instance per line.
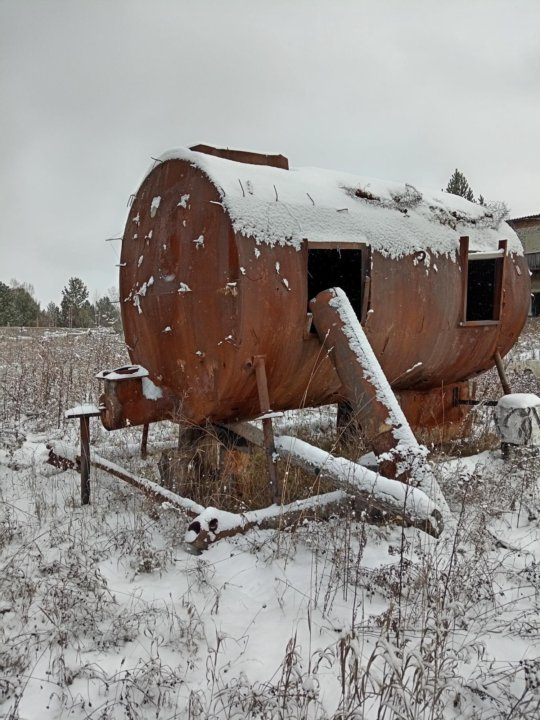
x=456, y=400
x=144, y=441
x=84, y=413
x=268, y=430
x=502, y=375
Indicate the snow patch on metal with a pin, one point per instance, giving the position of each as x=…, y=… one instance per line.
x=87, y=409
x=126, y=372
x=154, y=206
x=289, y=206
x=150, y=390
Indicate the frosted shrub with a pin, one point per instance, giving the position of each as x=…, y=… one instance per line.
x=45, y=372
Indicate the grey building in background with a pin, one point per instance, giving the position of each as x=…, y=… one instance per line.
x=528, y=230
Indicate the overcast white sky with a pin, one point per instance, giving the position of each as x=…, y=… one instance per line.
x=393, y=89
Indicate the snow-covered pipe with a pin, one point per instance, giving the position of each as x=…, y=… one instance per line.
x=367, y=389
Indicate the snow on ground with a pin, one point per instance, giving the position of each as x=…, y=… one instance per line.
x=105, y=613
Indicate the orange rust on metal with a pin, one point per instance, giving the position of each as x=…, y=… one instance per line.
x=365, y=299
x=434, y=415
x=463, y=260
x=203, y=318
x=370, y=410
x=123, y=403
x=243, y=156
x=499, y=278
x=144, y=440
x=268, y=431
x=416, y=331
x=85, y=460
x=151, y=489
x=502, y=375
x=200, y=300
x=262, y=387
x=84, y=414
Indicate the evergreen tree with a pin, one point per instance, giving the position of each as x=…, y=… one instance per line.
x=25, y=308
x=75, y=308
x=17, y=306
x=458, y=185
x=107, y=314
x=52, y=317
x=6, y=308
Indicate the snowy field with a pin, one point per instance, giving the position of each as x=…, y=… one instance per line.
x=105, y=614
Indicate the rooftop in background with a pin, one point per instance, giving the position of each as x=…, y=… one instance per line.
x=524, y=217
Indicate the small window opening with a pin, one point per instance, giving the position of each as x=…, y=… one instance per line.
x=336, y=267
x=483, y=284
x=483, y=300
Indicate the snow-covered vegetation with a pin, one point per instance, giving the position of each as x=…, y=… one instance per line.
x=104, y=613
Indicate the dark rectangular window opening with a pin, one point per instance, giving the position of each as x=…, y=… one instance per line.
x=483, y=277
x=483, y=289
x=337, y=267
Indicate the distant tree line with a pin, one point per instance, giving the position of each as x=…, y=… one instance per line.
x=18, y=307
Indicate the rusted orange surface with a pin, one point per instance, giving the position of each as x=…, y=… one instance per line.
x=253, y=158
x=198, y=305
x=202, y=320
x=416, y=318
x=434, y=415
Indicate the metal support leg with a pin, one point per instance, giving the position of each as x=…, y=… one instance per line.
x=268, y=430
x=502, y=375
x=144, y=440
x=85, y=460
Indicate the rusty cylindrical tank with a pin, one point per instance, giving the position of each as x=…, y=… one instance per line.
x=202, y=295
